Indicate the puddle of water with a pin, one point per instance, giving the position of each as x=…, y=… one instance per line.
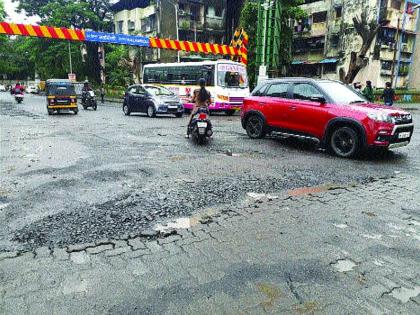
x=344, y=265
x=181, y=223
x=395, y=227
x=258, y=196
x=341, y=226
x=414, y=222
x=372, y=237
x=379, y=263
x=4, y=205
x=405, y=294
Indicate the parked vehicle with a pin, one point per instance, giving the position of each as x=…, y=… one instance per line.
x=90, y=100
x=327, y=112
x=3, y=88
x=32, y=89
x=226, y=80
x=19, y=97
x=61, y=96
x=200, y=128
x=152, y=100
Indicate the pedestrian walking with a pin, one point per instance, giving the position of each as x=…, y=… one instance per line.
x=102, y=94
x=388, y=94
x=368, y=92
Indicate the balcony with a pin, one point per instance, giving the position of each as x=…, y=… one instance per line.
x=392, y=15
x=214, y=23
x=386, y=72
x=335, y=27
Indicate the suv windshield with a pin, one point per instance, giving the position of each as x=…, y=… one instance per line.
x=232, y=76
x=158, y=91
x=341, y=94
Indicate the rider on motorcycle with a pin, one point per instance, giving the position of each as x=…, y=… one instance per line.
x=85, y=90
x=18, y=89
x=201, y=99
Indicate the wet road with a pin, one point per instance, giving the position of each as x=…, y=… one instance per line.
x=68, y=179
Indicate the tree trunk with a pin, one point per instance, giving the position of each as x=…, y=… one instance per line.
x=92, y=62
x=358, y=60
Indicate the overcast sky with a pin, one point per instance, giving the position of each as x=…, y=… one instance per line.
x=13, y=16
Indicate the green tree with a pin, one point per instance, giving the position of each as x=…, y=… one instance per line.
x=2, y=12
x=289, y=11
x=117, y=59
x=82, y=14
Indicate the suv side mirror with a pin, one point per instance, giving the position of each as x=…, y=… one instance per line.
x=318, y=98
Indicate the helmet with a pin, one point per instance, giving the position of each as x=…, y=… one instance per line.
x=202, y=82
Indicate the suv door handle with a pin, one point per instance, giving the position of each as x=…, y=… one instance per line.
x=293, y=107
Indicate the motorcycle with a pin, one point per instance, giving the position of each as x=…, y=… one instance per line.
x=19, y=97
x=89, y=100
x=200, y=128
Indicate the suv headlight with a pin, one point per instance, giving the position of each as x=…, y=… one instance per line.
x=383, y=117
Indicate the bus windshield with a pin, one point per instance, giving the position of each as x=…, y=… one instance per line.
x=232, y=76
x=158, y=90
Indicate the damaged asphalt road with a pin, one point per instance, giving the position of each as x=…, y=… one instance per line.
x=71, y=179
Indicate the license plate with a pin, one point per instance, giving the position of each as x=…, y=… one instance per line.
x=173, y=107
x=202, y=125
x=201, y=131
x=403, y=135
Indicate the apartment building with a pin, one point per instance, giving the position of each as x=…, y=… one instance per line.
x=324, y=40
x=414, y=79
x=198, y=20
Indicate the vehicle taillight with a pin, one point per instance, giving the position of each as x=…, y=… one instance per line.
x=52, y=101
x=202, y=116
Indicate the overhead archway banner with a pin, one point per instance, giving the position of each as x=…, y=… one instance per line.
x=62, y=33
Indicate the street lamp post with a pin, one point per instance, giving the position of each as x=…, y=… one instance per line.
x=175, y=4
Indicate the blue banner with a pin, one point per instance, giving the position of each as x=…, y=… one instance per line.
x=121, y=39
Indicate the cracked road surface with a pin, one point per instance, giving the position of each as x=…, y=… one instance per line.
x=80, y=196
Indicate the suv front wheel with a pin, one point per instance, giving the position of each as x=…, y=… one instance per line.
x=345, y=142
x=255, y=127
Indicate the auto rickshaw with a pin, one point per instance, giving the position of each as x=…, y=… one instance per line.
x=61, y=96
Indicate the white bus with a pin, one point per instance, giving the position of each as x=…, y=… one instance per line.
x=227, y=81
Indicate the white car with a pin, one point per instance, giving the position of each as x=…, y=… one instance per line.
x=32, y=89
x=3, y=88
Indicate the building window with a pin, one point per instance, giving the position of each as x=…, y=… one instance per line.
x=219, y=11
x=330, y=67
x=148, y=24
x=335, y=39
x=396, y=4
x=131, y=26
x=195, y=13
x=120, y=27
x=386, y=65
x=338, y=12
x=319, y=17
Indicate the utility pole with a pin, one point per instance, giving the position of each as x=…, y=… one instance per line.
x=400, y=43
x=395, y=52
x=268, y=38
x=175, y=4
x=70, y=61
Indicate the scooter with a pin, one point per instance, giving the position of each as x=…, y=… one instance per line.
x=90, y=100
x=19, y=97
x=200, y=128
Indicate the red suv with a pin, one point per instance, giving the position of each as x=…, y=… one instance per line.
x=328, y=112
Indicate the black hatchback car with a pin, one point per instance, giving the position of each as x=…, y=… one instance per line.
x=152, y=100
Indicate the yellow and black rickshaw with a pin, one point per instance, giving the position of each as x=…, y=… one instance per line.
x=61, y=96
